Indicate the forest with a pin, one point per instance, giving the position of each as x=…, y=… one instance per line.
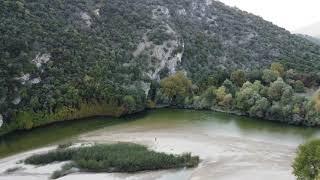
x=273, y=94
x=67, y=59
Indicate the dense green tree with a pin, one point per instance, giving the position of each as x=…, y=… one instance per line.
x=210, y=95
x=316, y=101
x=278, y=69
x=238, y=77
x=176, y=86
x=230, y=87
x=221, y=93
x=129, y=103
x=298, y=86
x=247, y=96
x=254, y=75
x=277, y=89
x=260, y=107
x=306, y=165
x=227, y=101
x=269, y=76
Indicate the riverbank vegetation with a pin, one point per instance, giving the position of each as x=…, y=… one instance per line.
x=121, y=157
x=274, y=94
x=306, y=165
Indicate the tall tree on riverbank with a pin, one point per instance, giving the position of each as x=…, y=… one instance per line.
x=175, y=87
x=316, y=101
x=306, y=165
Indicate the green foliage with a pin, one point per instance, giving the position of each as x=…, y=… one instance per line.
x=208, y=98
x=176, y=86
x=122, y=157
x=298, y=86
x=52, y=156
x=65, y=170
x=221, y=93
x=30, y=119
x=248, y=95
x=278, y=88
x=64, y=146
x=316, y=101
x=278, y=69
x=230, y=87
x=129, y=103
x=238, y=77
x=91, y=69
x=227, y=101
x=83, y=66
x=13, y=169
x=269, y=76
x=260, y=108
x=306, y=165
x=25, y=120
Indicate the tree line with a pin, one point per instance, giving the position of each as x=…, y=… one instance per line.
x=273, y=94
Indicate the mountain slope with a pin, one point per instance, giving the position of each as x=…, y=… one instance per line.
x=64, y=56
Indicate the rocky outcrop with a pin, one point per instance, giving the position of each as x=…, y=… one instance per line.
x=1, y=120
x=41, y=59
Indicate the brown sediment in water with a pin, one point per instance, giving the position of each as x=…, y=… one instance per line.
x=226, y=151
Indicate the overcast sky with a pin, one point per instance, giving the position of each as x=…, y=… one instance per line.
x=290, y=14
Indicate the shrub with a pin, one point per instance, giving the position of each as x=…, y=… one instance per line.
x=238, y=77
x=278, y=68
x=298, y=86
x=57, y=155
x=306, y=165
x=269, y=76
x=14, y=169
x=65, y=170
x=316, y=101
x=122, y=157
x=65, y=145
x=175, y=86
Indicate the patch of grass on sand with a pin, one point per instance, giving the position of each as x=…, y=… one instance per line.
x=121, y=157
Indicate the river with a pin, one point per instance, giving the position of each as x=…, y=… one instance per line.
x=230, y=147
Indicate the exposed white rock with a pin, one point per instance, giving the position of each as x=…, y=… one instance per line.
x=212, y=19
x=17, y=100
x=160, y=12
x=142, y=46
x=97, y=12
x=41, y=59
x=248, y=38
x=24, y=78
x=87, y=19
x=160, y=56
x=1, y=120
x=145, y=87
x=199, y=7
x=35, y=80
x=208, y=2
x=182, y=12
x=274, y=53
x=173, y=63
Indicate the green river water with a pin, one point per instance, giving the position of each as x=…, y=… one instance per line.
x=209, y=122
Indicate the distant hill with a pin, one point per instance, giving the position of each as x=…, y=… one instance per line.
x=311, y=30
x=310, y=38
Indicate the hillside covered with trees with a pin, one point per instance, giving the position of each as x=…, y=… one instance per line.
x=70, y=59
